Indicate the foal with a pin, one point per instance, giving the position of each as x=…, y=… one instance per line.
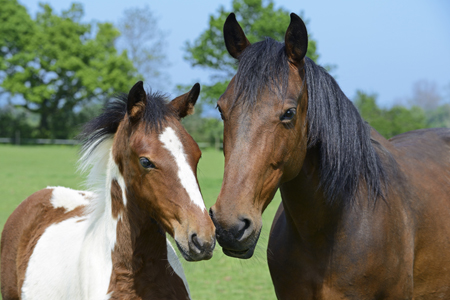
x=110, y=242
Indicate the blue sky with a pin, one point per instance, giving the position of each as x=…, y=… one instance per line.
x=381, y=46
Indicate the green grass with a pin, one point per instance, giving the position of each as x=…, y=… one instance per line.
x=26, y=169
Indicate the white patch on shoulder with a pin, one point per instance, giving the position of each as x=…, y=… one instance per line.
x=176, y=265
x=52, y=271
x=68, y=198
x=172, y=143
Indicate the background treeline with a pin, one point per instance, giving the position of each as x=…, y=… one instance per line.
x=57, y=72
x=425, y=109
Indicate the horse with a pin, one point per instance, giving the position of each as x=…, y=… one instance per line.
x=110, y=242
x=361, y=217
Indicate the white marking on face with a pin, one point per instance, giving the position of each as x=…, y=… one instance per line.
x=172, y=143
x=68, y=199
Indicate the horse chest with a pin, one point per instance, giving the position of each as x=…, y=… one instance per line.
x=66, y=265
x=338, y=267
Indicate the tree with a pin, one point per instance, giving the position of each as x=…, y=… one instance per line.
x=57, y=64
x=369, y=110
x=389, y=122
x=258, y=19
x=425, y=95
x=145, y=43
x=204, y=129
x=402, y=119
x=13, y=121
x=439, y=117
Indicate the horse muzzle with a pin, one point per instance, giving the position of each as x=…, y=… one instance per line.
x=239, y=238
x=196, y=248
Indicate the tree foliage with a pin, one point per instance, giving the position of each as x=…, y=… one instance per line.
x=425, y=95
x=393, y=121
x=13, y=121
x=259, y=19
x=439, y=117
x=204, y=129
x=145, y=43
x=58, y=63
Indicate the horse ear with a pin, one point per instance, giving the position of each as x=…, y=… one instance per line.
x=296, y=40
x=136, y=95
x=184, y=105
x=235, y=39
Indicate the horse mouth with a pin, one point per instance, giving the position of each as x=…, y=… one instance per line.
x=184, y=253
x=243, y=254
x=202, y=256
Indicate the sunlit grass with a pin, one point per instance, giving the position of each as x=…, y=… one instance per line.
x=26, y=169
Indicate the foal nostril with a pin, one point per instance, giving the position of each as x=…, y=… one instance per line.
x=198, y=244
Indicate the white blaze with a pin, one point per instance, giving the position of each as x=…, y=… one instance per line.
x=172, y=143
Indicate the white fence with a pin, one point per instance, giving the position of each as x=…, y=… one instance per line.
x=38, y=141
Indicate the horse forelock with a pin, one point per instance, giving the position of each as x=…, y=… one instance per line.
x=262, y=66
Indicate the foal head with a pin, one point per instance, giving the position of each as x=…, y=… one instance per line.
x=265, y=131
x=156, y=161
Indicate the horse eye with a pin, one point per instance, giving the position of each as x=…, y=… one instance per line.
x=288, y=115
x=146, y=163
x=220, y=111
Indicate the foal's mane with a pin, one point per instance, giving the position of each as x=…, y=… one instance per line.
x=106, y=124
x=97, y=135
x=335, y=128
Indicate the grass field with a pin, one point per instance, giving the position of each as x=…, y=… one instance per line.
x=26, y=169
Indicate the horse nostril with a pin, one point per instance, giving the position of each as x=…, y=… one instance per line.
x=196, y=242
x=243, y=229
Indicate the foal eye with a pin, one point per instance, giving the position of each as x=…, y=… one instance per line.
x=146, y=163
x=288, y=115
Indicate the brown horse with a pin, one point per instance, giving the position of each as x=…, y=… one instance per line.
x=110, y=242
x=361, y=217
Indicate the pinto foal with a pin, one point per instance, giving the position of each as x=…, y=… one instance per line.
x=110, y=242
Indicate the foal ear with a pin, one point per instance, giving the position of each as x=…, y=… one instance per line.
x=136, y=95
x=184, y=105
x=296, y=40
x=235, y=39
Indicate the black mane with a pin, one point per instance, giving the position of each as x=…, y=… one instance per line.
x=342, y=137
x=106, y=124
x=335, y=128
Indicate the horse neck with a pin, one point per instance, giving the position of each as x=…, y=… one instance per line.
x=139, y=239
x=306, y=206
x=138, y=236
x=140, y=252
